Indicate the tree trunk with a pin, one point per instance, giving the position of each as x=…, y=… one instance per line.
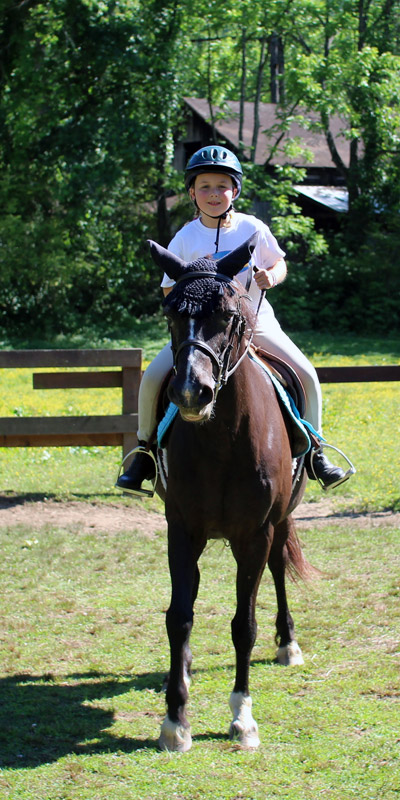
x=256, y=123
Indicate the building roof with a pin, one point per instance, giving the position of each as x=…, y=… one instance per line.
x=333, y=197
x=227, y=126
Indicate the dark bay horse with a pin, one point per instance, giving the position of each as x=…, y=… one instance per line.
x=229, y=476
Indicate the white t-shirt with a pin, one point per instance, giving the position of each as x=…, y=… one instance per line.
x=195, y=240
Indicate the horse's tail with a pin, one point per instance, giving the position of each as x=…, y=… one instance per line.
x=297, y=566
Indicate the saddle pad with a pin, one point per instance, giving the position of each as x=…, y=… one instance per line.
x=301, y=443
x=165, y=423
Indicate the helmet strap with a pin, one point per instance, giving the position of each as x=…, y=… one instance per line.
x=220, y=218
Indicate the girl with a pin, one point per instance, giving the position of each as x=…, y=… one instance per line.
x=213, y=179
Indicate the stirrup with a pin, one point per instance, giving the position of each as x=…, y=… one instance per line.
x=140, y=492
x=351, y=471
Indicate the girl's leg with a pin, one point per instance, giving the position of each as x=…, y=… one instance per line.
x=143, y=465
x=270, y=336
x=149, y=389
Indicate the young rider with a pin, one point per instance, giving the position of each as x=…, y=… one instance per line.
x=213, y=179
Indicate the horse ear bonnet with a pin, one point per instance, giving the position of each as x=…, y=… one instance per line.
x=197, y=296
x=232, y=263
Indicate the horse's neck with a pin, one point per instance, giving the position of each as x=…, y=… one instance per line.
x=236, y=398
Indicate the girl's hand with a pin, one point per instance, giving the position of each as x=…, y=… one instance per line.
x=265, y=278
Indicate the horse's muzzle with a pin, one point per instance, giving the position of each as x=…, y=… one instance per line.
x=194, y=398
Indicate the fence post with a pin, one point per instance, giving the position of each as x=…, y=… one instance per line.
x=130, y=392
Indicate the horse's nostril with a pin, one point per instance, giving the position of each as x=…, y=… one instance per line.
x=206, y=395
x=190, y=394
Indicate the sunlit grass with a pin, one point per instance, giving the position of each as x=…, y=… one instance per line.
x=83, y=652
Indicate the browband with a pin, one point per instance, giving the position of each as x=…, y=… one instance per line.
x=199, y=274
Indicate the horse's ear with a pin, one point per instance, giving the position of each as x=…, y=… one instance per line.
x=169, y=263
x=232, y=263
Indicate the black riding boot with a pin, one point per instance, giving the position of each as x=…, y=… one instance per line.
x=329, y=475
x=141, y=469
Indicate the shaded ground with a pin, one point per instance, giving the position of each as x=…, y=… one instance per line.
x=20, y=510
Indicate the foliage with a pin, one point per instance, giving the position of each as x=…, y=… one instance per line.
x=91, y=100
x=81, y=147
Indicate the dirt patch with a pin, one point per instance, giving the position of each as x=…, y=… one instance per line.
x=86, y=516
x=116, y=517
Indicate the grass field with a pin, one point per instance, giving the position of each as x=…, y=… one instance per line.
x=83, y=647
x=83, y=652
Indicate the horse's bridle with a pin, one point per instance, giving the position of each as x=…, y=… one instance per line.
x=222, y=360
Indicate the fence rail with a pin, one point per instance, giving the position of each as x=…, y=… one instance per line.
x=114, y=429
x=359, y=374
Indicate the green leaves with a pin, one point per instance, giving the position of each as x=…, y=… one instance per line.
x=91, y=104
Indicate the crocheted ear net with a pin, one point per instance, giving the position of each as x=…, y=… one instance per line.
x=198, y=296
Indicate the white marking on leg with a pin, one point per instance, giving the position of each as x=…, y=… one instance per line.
x=290, y=655
x=243, y=727
x=174, y=737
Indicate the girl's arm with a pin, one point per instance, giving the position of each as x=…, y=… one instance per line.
x=268, y=278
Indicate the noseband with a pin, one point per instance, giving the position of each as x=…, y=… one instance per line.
x=221, y=360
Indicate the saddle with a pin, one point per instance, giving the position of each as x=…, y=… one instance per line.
x=285, y=374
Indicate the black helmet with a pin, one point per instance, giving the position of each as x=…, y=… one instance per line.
x=214, y=157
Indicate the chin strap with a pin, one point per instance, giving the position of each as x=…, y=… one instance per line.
x=220, y=218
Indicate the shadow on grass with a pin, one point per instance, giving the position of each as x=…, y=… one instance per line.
x=42, y=720
x=12, y=500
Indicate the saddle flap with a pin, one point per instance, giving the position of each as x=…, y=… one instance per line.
x=286, y=375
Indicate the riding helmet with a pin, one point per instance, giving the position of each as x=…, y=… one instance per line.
x=214, y=157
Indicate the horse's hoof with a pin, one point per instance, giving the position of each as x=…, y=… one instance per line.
x=174, y=737
x=247, y=738
x=243, y=728
x=290, y=655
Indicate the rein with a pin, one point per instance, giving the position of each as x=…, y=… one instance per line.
x=221, y=361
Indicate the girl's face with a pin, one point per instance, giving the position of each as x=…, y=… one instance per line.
x=213, y=192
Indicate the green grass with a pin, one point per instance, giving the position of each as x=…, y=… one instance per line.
x=360, y=419
x=83, y=652
x=83, y=647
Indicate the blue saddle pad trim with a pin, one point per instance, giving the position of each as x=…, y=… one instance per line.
x=165, y=423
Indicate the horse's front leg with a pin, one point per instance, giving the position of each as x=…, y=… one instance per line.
x=175, y=730
x=250, y=567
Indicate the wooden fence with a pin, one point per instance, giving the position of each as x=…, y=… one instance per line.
x=115, y=429
x=118, y=429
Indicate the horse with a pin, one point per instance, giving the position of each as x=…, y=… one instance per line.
x=229, y=477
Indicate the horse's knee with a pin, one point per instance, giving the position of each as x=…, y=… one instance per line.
x=178, y=626
x=244, y=634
